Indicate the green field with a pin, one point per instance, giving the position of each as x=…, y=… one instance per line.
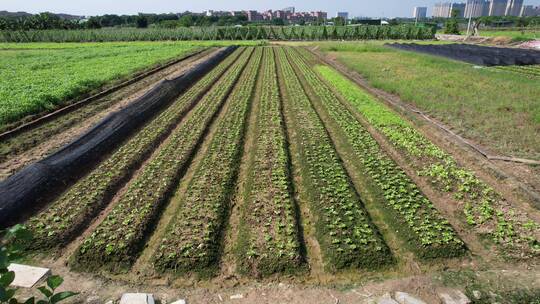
x=274, y=166
x=515, y=35
x=245, y=33
x=38, y=77
x=497, y=108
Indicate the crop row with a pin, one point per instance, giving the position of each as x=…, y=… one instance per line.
x=72, y=212
x=533, y=70
x=268, y=240
x=116, y=242
x=344, y=230
x=192, y=238
x=224, y=33
x=34, y=81
x=427, y=233
x=482, y=207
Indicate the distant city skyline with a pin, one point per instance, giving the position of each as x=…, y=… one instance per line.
x=363, y=8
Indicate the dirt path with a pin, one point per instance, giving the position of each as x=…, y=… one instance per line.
x=43, y=140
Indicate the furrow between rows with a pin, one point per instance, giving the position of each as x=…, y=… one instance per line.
x=415, y=218
x=74, y=210
x=268, y=240
x=348, y=238
x=116, y=242
x=192, y=240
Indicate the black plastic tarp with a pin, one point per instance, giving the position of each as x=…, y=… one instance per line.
x=28, y=189
x=475, y=54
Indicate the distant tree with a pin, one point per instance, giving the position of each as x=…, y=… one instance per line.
x=324, y=35
x=278, y=21
x=452, y=25
x=142, y=21
x=111, y=20
x=168, y=24
x=93, y=23
x=339, y=21
x=186, y=21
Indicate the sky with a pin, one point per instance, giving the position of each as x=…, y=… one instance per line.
x=363, y=8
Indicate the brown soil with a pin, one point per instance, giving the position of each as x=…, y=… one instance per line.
x=424, y=287
x=49, y=138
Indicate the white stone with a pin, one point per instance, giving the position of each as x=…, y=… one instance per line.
x=454, y=297
x=137, y=298
x=237, y=296
x=386, y=299
x=109, y=302
x=405, y=298
x=477, y=294
x=181, y=301
x=27, y=276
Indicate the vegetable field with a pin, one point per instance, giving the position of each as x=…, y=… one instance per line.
x=38, y=77
x=532, y=71
x=272, y=163
x=246, y=33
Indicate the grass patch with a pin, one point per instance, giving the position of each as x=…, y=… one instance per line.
x=525, y=35
x=498, y=109
x=37, y=77
x=493, y=287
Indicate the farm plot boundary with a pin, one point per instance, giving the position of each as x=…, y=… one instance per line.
x=34, y=120
x=24, y=190
x=305, y=114
x=46, y=138
x=480, y=156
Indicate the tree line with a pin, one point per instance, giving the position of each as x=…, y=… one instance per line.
x=45, y=21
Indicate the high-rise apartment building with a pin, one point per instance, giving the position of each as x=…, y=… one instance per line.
x=344, y=15
x=444, y=10
x=497, y=7
x=289, y=10
x=459, y=8
x=528, y=11
x=513, y=7
x=320, y=15
x=420, y=12
x=476, y=8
